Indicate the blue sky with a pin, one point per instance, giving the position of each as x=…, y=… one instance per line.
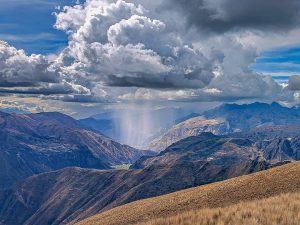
x=280, y=63
x=28, y=24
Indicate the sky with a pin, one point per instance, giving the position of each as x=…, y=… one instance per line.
x=79, y=57
x=28, y=25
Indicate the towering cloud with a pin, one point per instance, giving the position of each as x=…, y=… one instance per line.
x=120, y=51
x=116, y=43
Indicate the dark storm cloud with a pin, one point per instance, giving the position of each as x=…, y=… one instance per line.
x=62, y=88
x=193, y=81
x=224, y=15
x=294, y=83
x=17, y=84
x=37, y=91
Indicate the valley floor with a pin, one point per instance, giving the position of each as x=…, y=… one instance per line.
x=279, y=210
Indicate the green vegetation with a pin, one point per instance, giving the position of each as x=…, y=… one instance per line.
x=122, y=167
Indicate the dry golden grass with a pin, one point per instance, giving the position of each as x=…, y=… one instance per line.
x=280, y=210
x=265, y=184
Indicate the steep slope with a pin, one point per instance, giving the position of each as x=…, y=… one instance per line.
x=36, y=143
x=282, y=209
x=225, y=150
x=73, y=194
x=229, y=118
x=190, y=127
x=279, y=180
x=277, y=143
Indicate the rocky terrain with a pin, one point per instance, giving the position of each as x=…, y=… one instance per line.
x=229, y=118
x=228, y=149
x=36, y=143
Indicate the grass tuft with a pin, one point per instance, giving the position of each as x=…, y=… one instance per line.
x=279, y=210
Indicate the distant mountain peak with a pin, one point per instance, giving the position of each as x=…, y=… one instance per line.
x=250, y=105
x=229, y=118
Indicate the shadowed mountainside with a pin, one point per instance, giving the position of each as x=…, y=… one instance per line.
x=37, y=143
x=225, y=150
x=72, y=194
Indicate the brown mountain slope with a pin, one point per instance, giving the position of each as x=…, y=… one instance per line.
x=260, y=185
x=73, y=194
x=226, y=119
x=36, y=143
x=188, y=128
x=283, y=209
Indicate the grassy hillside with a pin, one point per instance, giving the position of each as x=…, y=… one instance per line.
x=276, y=181
x=279, y=210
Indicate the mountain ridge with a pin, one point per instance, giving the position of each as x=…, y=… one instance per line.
x=279, y=180
x=229, y=118
x=78, y=193
x=36, y=143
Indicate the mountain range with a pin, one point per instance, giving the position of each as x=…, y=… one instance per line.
x=57, y=170
x=229, y=118
x=72, y=194
x=35, y=143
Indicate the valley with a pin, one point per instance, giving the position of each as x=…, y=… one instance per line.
x=76, y=172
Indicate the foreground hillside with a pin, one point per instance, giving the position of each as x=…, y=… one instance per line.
x=36, y=143
x=283, y=209
x=276, y=181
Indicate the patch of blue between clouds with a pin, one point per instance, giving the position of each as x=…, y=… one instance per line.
x=280, y=63
x=28, y=25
